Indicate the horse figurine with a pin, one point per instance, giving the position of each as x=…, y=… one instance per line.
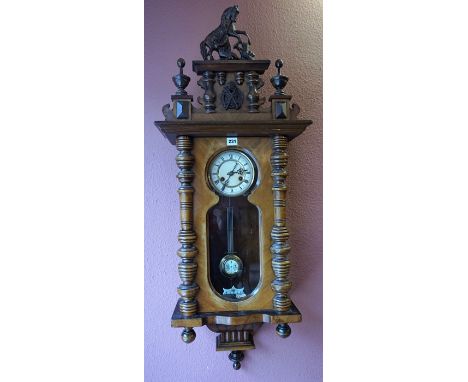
x=218, y=40
x=244, y=50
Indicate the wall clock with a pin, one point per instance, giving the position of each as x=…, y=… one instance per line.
x=232, y=159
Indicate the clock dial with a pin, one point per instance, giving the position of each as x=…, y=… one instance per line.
x=231, y=265
x=231, y=173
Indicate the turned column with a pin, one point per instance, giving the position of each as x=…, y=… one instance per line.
x=253, y=81
x=187, y=237
x=207, y=83
x=279, y=233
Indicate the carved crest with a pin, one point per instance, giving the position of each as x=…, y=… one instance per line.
x=232, y=97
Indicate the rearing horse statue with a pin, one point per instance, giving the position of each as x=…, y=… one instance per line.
x=218, y=40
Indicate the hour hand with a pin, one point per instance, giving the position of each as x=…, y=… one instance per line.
x=231, y=173
x=240, y=172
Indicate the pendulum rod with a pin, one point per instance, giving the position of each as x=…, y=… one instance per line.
x=230, y=229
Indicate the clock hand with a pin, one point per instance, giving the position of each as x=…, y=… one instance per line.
x=239, y=171
x=225, y=184
x=230, y=173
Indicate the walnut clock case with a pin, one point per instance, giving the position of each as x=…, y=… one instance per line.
x=232, y=157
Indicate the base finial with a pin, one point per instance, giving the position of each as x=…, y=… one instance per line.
x=283, y=330
x=188, y=335
x=236, y=357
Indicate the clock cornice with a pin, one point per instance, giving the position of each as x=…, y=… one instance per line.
x=258, y=128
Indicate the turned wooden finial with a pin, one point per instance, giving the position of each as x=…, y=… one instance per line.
x=181, y=80
x=279, y=81
x=188, y=335
x=181, y=64
x=279, y=65
x=283, y=330
x=236, y=357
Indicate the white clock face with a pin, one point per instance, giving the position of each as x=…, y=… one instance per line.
x=231, y=267
x=231, y=173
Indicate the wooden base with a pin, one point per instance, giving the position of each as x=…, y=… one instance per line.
x=268, y=316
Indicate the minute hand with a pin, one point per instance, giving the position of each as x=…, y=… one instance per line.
x=230, y=173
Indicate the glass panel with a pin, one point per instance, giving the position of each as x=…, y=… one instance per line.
x=234, y=247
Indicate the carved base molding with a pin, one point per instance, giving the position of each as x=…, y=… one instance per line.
x=234, y=337
x=268, y=316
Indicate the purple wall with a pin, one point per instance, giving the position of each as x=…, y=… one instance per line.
x=278, y=29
